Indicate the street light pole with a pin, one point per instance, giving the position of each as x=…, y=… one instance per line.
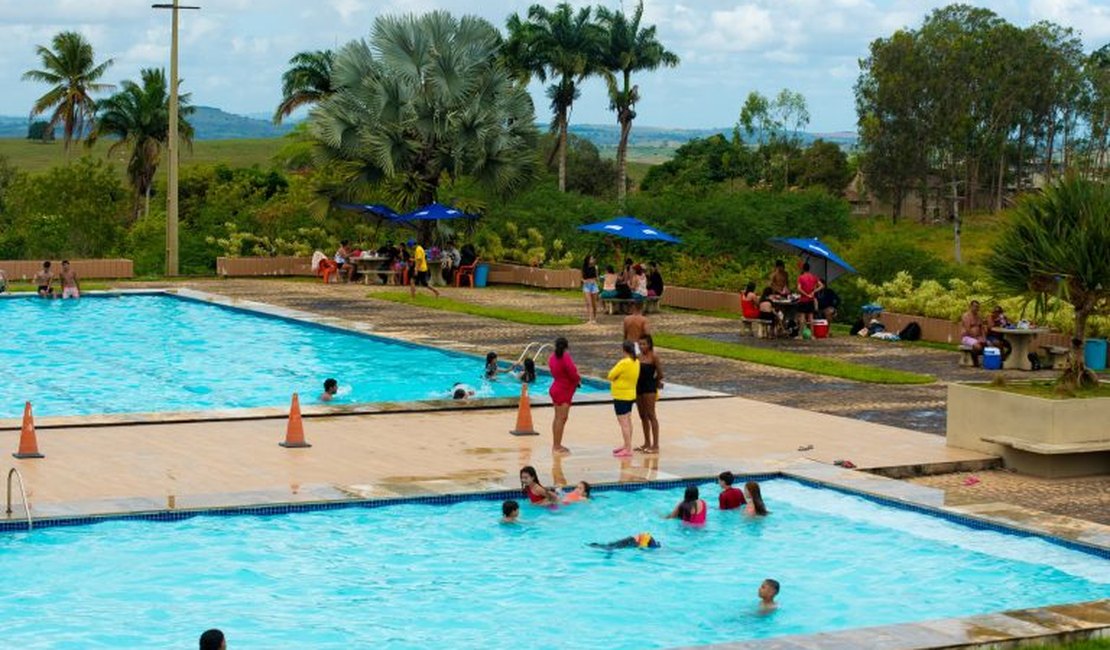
x=171, y=185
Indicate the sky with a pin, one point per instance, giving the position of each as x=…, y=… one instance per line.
x=233, y=52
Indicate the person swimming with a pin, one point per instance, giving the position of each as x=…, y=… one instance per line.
x=461, y=391
x=331, y=387
x=641, y=541
x=492, y=368
x=691, y=510
x=755, y=506
x=581, y=492
x=534, y=490
x=768, y=589
x=510, y=512
x=526, y=373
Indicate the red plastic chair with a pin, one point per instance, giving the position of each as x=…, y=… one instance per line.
x=467, y=273
x=326, y=269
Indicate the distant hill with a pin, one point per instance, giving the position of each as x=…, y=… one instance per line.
x=210, y=124
x=608, y=135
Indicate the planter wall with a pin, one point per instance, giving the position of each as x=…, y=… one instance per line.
x=500, y=273
x=86, y=269
x=686, y=298
x=976, y=412
x=263, y=266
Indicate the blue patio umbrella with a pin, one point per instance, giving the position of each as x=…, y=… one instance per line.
x=822, y=261
x=436, y=212
x=630, y=228
x=383, y=212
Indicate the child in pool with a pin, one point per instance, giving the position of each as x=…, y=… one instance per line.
x=581, y=492
x=641, y=541
x=510, y=512
x=492, y=368
x=331, y=387
x=730, y=498
x=461, y=391
x=537, y=494
x=767, y=592
x=526, y=373
x=691, y=510
x=755, y=507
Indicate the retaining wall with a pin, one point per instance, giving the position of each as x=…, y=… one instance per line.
x=86, y=269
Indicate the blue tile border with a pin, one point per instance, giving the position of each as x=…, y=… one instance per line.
x=974, y=523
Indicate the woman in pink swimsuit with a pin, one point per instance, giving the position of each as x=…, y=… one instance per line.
x=565, y=381
x=691, y=510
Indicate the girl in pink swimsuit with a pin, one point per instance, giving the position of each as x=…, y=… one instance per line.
x=691, y=510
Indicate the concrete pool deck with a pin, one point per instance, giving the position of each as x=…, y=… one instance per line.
x=115, y=469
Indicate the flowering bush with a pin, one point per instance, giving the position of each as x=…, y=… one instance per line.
x=936, y=300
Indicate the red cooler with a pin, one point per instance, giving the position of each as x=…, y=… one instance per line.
x=820, y=329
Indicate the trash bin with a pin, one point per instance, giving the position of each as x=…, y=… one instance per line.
x=820, y=329
x=481, y=275
x=992, y=359
x=1094, y=354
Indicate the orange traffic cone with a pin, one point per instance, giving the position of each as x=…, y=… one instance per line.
x=524, y=425
x=294, y=431
x=28, y=443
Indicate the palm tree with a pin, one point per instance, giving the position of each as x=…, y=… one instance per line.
x=628, y=48
x=307, y=81
x=139, y=117
x=426, y=100
x=1058, y=244
x=70, y=68
x=561, y=45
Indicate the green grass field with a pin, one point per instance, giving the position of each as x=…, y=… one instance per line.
x=457, y=306
x=977, y=235
x=35, y=157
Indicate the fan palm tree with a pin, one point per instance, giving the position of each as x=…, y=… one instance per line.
x=628, y=48
x=307, y=81
x=139, y=117
x=561, y=45
x=73, y=74
x=1058, y=244
x=426, y=100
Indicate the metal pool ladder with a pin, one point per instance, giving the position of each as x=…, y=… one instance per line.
x=22, y=492
x=528, y=348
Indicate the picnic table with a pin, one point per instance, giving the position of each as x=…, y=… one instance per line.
x=369, y=266
x=1021, y=340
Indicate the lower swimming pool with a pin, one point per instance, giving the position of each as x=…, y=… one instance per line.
x=157, y=353
x=418, y=576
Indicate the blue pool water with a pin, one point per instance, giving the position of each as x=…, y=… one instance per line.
x=144, y=353
x=420, y=576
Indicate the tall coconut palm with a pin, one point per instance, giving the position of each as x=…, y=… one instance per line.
x=307, y=81
x=426, y=99
x=138, y=116
x=628, y=48
x=71, y=70
x=1057, y=244
x=562, y=45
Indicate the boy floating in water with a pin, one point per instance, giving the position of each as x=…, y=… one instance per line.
x=767, y=592
x=70, y=285
x=331, y=387
x=510, y=512
x=643, y=540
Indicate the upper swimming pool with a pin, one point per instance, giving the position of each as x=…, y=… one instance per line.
x=424, y=576
x=158, y=353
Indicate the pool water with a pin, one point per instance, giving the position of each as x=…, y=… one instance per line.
x=152, y=353
x=419, y=576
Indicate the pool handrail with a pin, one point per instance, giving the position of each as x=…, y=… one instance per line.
x=528, y=348
x=22, y=492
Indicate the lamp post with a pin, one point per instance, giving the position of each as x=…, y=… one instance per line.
x=171, y=185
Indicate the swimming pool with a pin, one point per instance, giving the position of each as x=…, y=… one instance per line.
x=417, y=576
x=158, y=352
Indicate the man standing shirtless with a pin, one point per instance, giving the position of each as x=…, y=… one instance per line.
x=43, y=281
x=636, y=325
x=70, y=286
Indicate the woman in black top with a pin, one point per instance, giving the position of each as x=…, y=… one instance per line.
x=590, y=288
x=648, y=386
x=654, y=280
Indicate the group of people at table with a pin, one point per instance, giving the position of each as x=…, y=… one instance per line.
x=786, y=309
x=404, y=259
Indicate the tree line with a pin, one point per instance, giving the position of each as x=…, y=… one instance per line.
x=968, y=108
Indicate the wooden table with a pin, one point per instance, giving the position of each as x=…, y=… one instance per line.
x=1021, y=341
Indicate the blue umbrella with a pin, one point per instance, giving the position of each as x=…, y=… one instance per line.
x=382, y=212
x=630, y=228
x=822, y=261
x=436, y=212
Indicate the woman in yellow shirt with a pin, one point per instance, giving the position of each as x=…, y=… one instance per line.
x=622, y=378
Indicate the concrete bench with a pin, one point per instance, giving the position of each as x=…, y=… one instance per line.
x=967, y=355
x=1050, y=448
x=1057, y=356
x=651, y=304
x=756, y=327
